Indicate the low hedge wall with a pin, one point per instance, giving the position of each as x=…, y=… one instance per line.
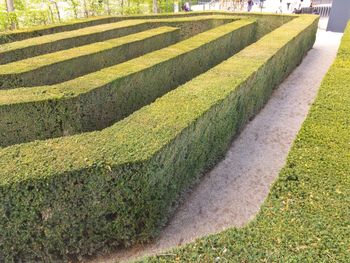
x=31, y=47
x=7, y=37
x=266, y=22
x=18, y=35
x=21, y=34
x=67, y=64
x=99, y=99
x=306, y=215
x=50, y=43
x=117, y=186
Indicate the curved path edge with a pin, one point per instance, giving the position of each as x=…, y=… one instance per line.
x=231, y=194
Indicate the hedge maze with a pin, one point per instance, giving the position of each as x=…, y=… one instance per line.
x=105, y=122
x=305, y=218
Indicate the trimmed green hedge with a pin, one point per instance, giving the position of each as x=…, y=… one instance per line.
x=35, y=46
x=50, y=43
x=18, y=35
x=97, y=100
x=117, y=186
x=68, y=64
x=306, y=217
x=7, y=37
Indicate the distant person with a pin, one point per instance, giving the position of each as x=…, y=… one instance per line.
x=303, y=4
x=250, y=5
x=297, y=11
x=280, y=8
x=241, y=4
x=261, y=4
x=288, y=4
x=187, y=7
x=294, y=4
x=300, y=4
x=297, y=7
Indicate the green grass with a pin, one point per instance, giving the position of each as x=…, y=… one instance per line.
x=306, y=217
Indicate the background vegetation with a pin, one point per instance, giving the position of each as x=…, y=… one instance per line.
x=16, y=14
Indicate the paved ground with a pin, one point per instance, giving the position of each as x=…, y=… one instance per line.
x=232, y=193
x=322, y=24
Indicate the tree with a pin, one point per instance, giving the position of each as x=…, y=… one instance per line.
x=57, y=9
x=10, y=7
x=86, y=10
x=108, y=7
x=24, y=13
x=75, y=6
x=155, y=6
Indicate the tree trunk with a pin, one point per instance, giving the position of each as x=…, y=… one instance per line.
x=108, y=8
x=86, y=11
x=75, y=8
x=58, y=11
x=155, y=6
x=10, y=6
x=51, y=14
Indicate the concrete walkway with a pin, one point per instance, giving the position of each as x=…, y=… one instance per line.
x=232, y=193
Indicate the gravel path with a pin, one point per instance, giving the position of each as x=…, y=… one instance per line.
x=232, y=193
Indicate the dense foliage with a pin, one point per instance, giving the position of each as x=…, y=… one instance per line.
x=44, y=12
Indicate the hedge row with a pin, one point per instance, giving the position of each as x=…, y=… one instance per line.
x=7, y=37
x=97, y=100
x=31, y=47
x=50, y=43
x=37, y=113
x=117, y=186
x=18, y=35
x=68, y=64
x=306, y=217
